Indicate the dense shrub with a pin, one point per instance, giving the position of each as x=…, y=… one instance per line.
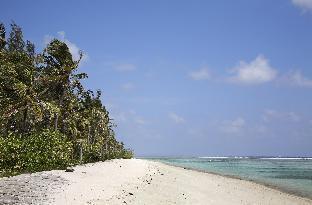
x=35, y=152
x=126, y=154
x=92, y=153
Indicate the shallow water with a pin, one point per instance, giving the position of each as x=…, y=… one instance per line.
x=289, y=174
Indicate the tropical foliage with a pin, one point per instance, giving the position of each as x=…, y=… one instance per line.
x=48, y=119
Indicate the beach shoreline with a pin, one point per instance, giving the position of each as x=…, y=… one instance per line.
x=284, y=190
x=139, y=181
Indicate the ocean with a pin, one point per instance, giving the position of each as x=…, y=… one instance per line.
x=292, y=175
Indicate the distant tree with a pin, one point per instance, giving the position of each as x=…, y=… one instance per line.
x=15, y=41
x=19, y=99
x=2, y=36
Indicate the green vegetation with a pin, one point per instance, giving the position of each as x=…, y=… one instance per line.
x=48, y=120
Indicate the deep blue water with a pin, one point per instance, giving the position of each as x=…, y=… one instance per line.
x=289, y=174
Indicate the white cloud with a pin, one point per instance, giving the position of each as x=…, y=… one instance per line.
x=127, y=117
x=73, y=48
x=305, y=5
x=268, y=115
x=124, y=67
x=140, y=121
x=176, y=118
x=234, y=126
x=127, y=86
x=273, y=115
x=201, y=74
x=256, y=72
x=61, y=34
x=119, y=117
x=260, y=129
x=297, y=79
x=136, y=118
x=293, y=116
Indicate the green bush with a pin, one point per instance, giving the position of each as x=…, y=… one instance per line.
x=127, y=154
x=35, y=152
x=92, y=153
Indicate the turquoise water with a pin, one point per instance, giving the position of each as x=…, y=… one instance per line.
x=289, y=174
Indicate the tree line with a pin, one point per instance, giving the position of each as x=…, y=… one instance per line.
x=48, y=119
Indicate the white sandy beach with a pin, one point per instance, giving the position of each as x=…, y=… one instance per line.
x=138, y=181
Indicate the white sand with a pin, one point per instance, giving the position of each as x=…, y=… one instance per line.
x=145, y=182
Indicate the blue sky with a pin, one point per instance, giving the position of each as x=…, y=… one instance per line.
x=200, y=78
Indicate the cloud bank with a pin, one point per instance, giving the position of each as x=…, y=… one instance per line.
x=124, y=67
x=176, y=118
x=297, y=79
x=201, y=74
x=305, y=5
x=256, y=72
x=127, y=86
x=270, y=115
x=234, y=126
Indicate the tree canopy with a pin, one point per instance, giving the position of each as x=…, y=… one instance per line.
x=41, y=93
